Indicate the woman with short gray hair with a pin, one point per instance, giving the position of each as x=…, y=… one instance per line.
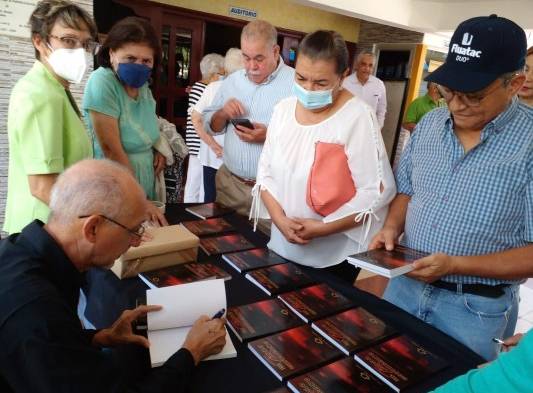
x=210, y=154
x=211, y=67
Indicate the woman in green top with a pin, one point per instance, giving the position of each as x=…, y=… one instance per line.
x=118, y=104
x=511, y=372
x=45, y=131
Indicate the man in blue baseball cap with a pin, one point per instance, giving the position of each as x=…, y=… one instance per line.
x=465, y=191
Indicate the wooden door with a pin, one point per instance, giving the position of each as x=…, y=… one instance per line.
x=182, y=41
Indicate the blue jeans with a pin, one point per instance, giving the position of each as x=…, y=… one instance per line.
x=471, y=319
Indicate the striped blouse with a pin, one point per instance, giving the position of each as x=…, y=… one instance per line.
x=191, y=137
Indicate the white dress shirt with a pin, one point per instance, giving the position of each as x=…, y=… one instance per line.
x=372, y=92
x=284, y=167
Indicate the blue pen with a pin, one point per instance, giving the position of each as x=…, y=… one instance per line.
x=219, y=313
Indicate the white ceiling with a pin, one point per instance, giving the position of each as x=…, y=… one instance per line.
x=427, y=15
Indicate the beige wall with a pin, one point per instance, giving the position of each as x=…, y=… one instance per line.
x=281, y=13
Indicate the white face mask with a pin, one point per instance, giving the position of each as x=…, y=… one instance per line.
x=69, y=64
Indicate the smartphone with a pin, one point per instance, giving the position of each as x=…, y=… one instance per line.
x=242, y=122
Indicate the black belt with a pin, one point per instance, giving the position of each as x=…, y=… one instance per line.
x=492, y=291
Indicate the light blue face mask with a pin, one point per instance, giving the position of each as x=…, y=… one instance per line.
x=313, y=99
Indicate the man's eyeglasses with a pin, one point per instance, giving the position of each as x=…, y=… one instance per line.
x=471, y=99
x=69, y=42
x=135, y=232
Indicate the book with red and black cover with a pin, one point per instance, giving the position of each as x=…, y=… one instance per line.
x=294, y=352
x=211, y=226
x=400, y=362
x=353, y=329
x=182, y=274
x=259, y=319
x=387, y=263
x=279, y=278
x=209, y=210
x=227, y=243
x=343, y=376
x=279, y=390
x=318, y=301
x=253, y=259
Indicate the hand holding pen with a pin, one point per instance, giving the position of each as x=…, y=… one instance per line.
x=509, y=342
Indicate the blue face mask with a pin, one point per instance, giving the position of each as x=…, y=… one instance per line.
x=313, y=99
x=133, y=74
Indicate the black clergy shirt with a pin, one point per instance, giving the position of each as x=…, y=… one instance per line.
x=43, y=347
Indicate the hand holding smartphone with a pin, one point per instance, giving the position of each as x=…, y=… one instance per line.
x=242, y=122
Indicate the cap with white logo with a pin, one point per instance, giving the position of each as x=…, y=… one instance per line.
x=481, y=50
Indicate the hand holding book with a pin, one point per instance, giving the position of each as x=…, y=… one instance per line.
x=121, y=332
x=432, y=267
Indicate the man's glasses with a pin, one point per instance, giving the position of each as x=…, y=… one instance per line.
x=471, y=99
x=135, y=232
x=69, y=42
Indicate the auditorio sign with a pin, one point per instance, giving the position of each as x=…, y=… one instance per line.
x=242, y=12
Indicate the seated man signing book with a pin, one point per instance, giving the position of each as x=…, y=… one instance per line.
x=465, y=192
x=97, y=211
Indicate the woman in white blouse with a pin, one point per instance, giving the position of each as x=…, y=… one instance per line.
x=322, y=112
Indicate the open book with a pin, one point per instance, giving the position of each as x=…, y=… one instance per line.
x=182, y=306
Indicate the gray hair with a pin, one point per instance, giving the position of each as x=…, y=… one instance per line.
x=233, y=60
x=260, y=30
x=362, y=54
x=211, y=64
x=88, y=187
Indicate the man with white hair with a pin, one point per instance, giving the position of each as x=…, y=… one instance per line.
x=251, y=93
x=97, y=212
x=366, y=86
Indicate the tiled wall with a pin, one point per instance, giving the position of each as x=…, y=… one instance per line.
x=16, y=58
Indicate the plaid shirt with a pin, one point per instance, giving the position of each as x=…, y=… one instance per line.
x=476, y=203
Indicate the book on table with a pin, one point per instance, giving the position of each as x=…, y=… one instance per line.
x=342, y=376
x=259, y=319
x=182, y=306
x=294, y=352
x=353, y=329
x=209, y=210
x=277, y=279
x=279, y=390
x=387, y=263
x=400, y=362
x=315, y=302
x=183, y=274
x=210, y=226
x=227, y=243
x=255, y=258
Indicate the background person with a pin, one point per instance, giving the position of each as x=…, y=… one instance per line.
x=366, y=86
x=526, y=91
x=45, y=131
x=97, y=211
x=252, y=94
x=420, y=106
x=211, y=146
x=212, y=68
x=322, y=112
x=119, y=107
